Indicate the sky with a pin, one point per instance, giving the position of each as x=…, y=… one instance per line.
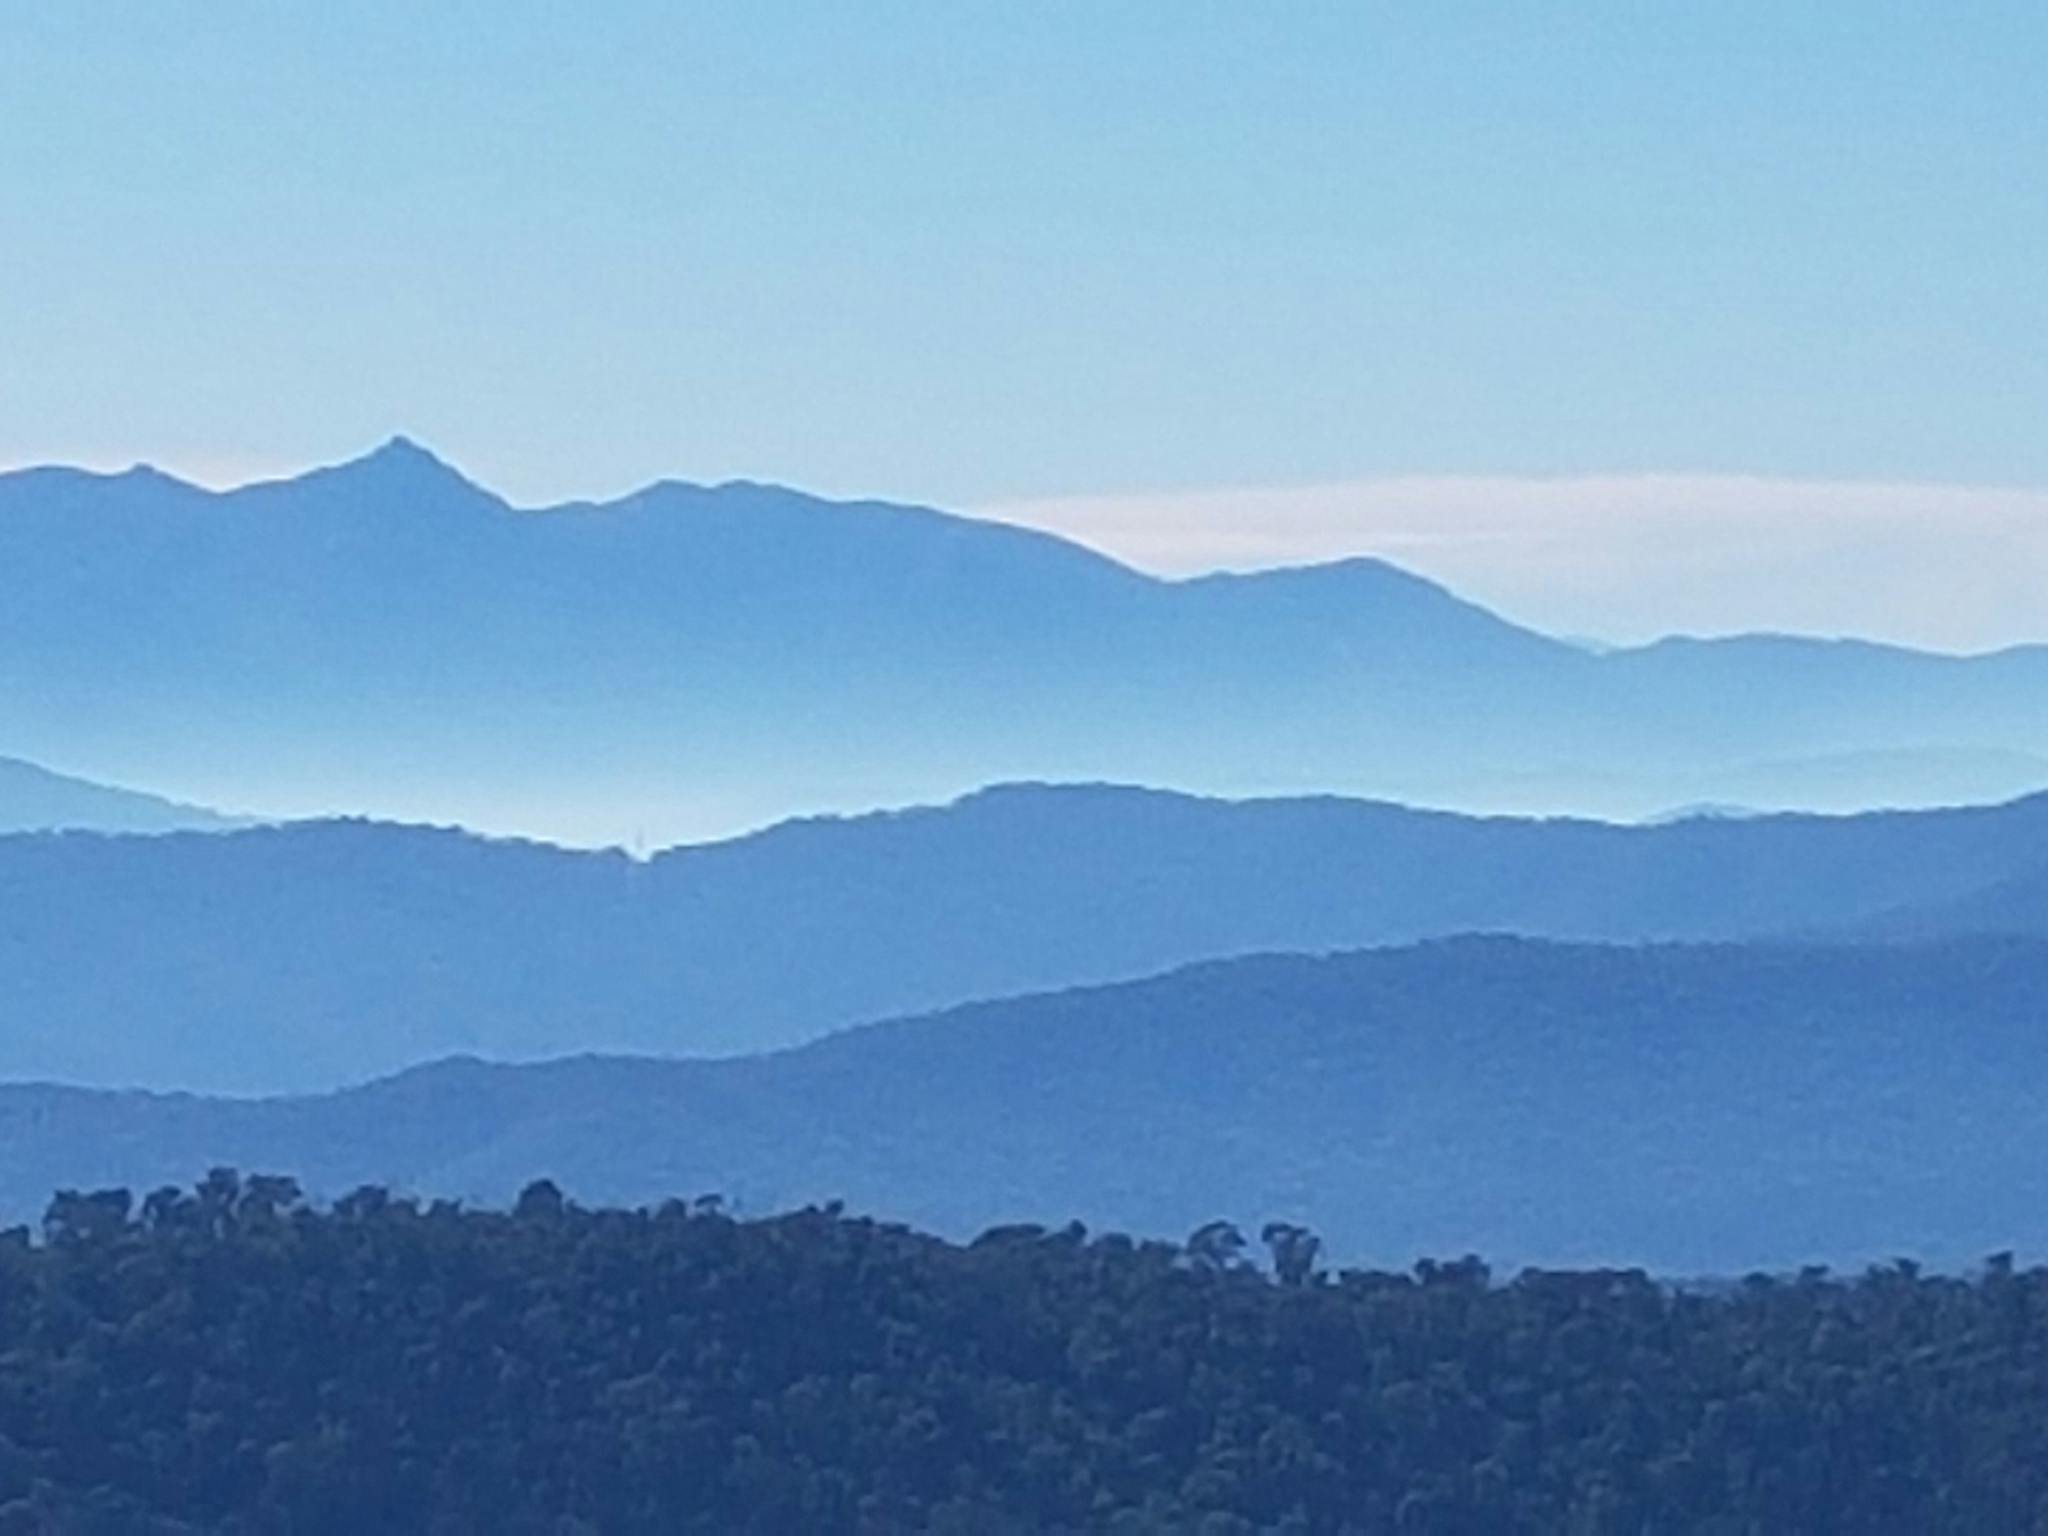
x=1626, y=559
x=1770, y=280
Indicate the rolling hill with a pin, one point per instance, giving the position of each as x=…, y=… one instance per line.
x=306, y=956
x=386, y=637
x=1691, y=1108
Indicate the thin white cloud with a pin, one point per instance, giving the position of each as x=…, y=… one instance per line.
x=1629, y=557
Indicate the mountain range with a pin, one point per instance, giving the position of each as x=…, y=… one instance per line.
x=311, y=955
x=386, y=637
x=1697, y=1109
x=1723, y=1035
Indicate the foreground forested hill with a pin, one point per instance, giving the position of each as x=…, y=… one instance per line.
x=227, y=1360
x=1693, y=1108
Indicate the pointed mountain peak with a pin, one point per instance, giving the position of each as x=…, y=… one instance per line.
x=400, y=454
x=402, y=467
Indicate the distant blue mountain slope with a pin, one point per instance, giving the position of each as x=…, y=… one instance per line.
x=306, y=956
x=2018, y=905
x=1695, y=1109
x=386, y=636
x=33, y=799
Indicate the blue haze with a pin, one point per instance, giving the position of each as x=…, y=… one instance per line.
x=387, y=637
x=309, y=956
x=1697, y=1109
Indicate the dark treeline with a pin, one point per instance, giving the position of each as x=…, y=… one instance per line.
x=229, y=1359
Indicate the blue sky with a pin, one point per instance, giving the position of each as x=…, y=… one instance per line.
x=977, y=253
x=1071, y=262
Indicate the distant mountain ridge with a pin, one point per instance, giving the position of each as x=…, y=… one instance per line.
x=1696, y=1109
x=385, y=636
x=310, y=955
x=34, y=799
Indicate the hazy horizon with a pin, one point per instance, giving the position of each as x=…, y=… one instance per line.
x=1218, y=289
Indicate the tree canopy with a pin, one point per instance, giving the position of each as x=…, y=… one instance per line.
x=229, y=1358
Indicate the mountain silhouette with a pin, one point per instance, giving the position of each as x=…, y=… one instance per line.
x=311, y=955
x=385, y=636
x=1697, y=1109
x=33, y=799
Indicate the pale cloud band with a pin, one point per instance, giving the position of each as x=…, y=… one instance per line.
x=1629, y=558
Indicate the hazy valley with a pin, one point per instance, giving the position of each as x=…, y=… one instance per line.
x=387, y=637
x=1111, y=993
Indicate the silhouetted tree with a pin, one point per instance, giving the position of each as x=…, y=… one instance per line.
x=1294, y=1250
x=1215, y=1245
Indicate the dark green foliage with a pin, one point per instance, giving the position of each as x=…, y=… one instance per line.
x=230, y=1360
